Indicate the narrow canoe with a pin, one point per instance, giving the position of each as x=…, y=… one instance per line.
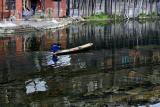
x=74, y=50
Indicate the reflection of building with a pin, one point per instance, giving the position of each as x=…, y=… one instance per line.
x=33, y=41
x=131, y=58
x=91, y=83
x=13, y=43
x=59, y=36
x=15, y=58
x=61, y=61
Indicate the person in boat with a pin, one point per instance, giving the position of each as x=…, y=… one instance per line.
x=54, y=48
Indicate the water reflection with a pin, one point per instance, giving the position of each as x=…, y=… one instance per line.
x=35, y=85
x=122, y=69
x=58, y=61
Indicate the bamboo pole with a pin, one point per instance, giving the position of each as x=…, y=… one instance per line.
x=115, y=8
x=95, y=6
x=134, y=7
x=83, y=7
x=92, y=7
x=100, y=6
x=72, y=1
x=78, y=7
x=119, y=7
x=89, y=8
x=111, y=4
x=105, y=6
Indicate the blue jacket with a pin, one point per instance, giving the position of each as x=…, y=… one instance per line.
x=55, y=47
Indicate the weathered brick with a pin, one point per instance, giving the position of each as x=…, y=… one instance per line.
x=50, y=7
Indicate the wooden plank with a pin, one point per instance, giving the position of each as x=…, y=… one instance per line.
x=76, y=49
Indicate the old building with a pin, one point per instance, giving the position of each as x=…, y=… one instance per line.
x=10, y=8
x=19, y=9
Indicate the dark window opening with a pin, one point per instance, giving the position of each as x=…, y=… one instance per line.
x=75, y=4
x=10, y=4
x=57, y=0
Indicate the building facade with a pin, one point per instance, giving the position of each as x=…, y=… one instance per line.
x=28, y=8
x=10, y=8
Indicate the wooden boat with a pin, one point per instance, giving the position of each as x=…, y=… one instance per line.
x=74, y=50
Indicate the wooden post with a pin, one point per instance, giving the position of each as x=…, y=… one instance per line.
x=58, y=8
x=2, y=10
x=9, y=8
x=43, y=4
x=68, y=7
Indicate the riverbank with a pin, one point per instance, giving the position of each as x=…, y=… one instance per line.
x=37, y=24
x=105, y=17
x=21, y=26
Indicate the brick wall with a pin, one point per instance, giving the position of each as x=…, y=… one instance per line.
x=18, y=12
x=63, y=8
x=5, y=14
x=50, y=5
x=52, y=8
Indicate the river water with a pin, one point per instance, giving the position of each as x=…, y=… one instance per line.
x=120, y=70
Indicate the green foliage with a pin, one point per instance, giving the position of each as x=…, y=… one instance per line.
x=99, y=23
x=103, y=16
x=116, y=17
x=141, y=15
x=144, y=15
x=100, y=16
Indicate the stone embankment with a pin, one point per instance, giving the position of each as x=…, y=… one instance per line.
x=37, y=24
